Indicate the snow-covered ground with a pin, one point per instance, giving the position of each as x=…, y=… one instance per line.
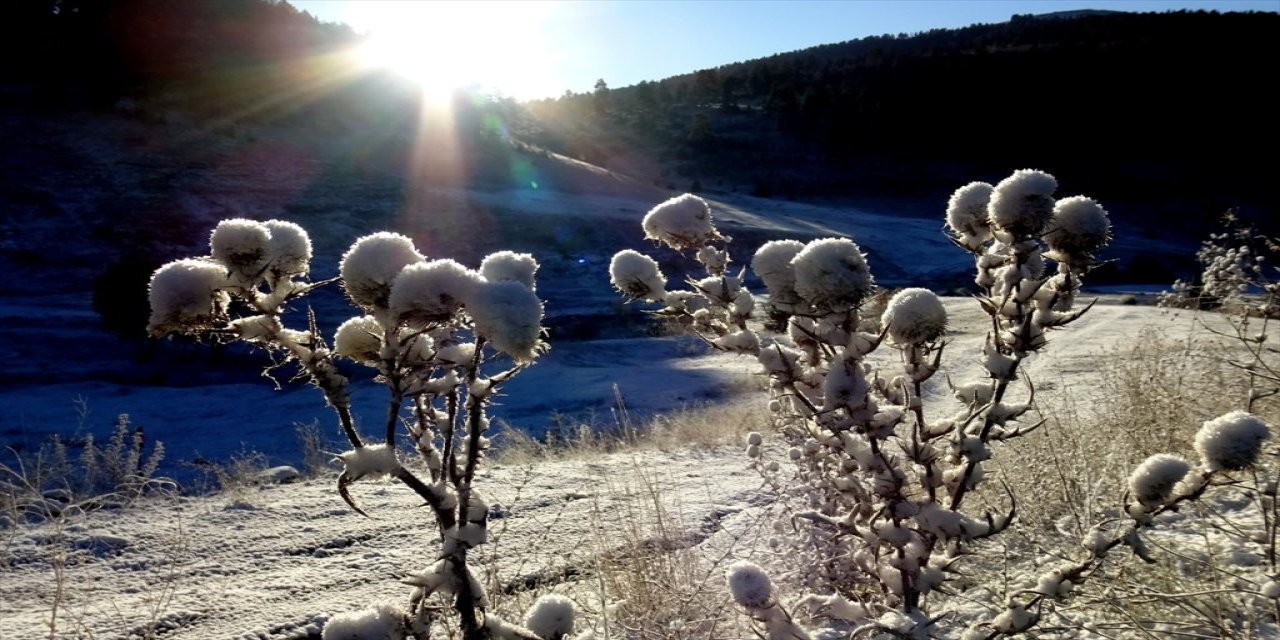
x=277, y=561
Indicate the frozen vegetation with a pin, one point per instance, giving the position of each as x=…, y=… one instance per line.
x=908, y=465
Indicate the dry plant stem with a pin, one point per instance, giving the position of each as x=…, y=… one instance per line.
x=988, y=422
x=394, y=380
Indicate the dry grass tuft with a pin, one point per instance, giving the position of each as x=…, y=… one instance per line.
x=697, y=427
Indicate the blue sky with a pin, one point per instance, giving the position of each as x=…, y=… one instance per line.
x=542, y=49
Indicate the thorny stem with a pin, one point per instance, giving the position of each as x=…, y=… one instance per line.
x=987, y=424
x=423, y=437
x=394, y=385
x=466, y=599
x=450, y=459
x=348, y=424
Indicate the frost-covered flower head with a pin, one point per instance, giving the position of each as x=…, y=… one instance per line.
x=243, y=247
x=359, y=339
x=1232, y=441
x=1152, y=482
x=637, y=275
x=509, y=316
x=683, y=222
x=967, y=214
x=289, y=252
x=832, y=274
x=1022, y=204
x=432, y=291
x=382, y=623
x=551, y=617
x=914, y=316
x=1078, y=229
x=372, y=263
x=508, y=265
x=772, y=263
x=185, y=295
x=749, y=585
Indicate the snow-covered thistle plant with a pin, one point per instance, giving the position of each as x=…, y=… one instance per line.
x=441, y=337
x=880, y=484
x=1227, y=446
x=1236, y=279
x=1234, y=274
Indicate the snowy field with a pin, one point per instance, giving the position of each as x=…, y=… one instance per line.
x=277, y=561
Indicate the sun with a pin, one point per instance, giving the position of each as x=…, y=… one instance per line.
x=442, y=46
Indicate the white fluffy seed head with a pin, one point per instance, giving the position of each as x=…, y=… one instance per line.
x=289, y=252
x=426, y=292
x=1022, y=204
x=636, y=275
x=551, y=617
x=1152, y=482
x=1078, y=229
x=1014, y=619
x=385, y=622
x=914, y=316
x=242, y=246
x=749, y=585
x=509, y=316
x=683, y=222
x=185, y=296
x=1232, y=441
x=359, y=339
x=832, y=274
x=509, y=265
x=772, y=263
x=967, y=214
x=371, y=264
x=744, y=341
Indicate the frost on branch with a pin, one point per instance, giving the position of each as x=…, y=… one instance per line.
x=372, y=461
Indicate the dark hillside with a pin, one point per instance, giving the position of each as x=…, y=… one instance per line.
x=1165, y=109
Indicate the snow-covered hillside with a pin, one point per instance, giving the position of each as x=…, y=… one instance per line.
x=66, y=375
